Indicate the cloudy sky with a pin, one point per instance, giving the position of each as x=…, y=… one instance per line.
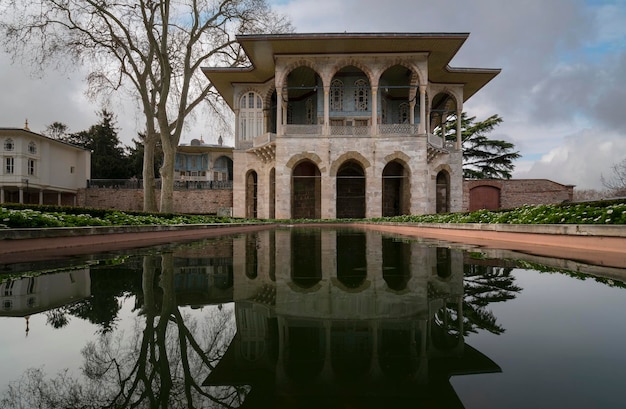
x=561, y=93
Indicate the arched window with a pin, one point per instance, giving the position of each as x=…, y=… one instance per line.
x=8, y=144
x=336, y=95
x=403, y=113
x=361, y=95
x=32, y=148
x=250, y=116
x=310, y=111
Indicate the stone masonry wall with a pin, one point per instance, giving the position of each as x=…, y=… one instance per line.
x=214, y=201
x=518, y=192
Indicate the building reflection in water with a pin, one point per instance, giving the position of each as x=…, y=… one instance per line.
x=25, y=296
x=346, y=316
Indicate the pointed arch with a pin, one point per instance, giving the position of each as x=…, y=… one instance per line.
x=396, y=199
x=306, y=191
x=442, y=192
x=351, y=190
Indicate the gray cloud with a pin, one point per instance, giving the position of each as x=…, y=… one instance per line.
x=561, y=89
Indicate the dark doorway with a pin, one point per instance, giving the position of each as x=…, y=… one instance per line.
x=351, y=191
x=395, y=190
x=443, y=192
x=306, y=190
x=251, y=195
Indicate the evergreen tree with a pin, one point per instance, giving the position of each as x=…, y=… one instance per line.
x=136, y=157
x=108, y=156
x=483, y=158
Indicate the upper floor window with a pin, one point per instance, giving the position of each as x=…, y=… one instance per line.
x=8, y=144
x=32, y=148
x=9, y=165
x=336, y=95
x=310, y=112
x=403, y=113
x=31, y=167
x=250, y=116
x=361, y=95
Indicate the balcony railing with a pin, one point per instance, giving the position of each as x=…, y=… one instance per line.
x=178, y=184
x=398, y=129
x=347, y=130
x=435, y=140
x=263, y=139
x=294, y=130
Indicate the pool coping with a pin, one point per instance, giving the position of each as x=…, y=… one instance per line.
x=604, y=244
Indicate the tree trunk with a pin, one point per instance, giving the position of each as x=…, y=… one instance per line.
x=167, y=175
x=149, y=194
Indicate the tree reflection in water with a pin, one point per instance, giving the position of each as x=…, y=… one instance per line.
x=331, y=310
x=157, y=366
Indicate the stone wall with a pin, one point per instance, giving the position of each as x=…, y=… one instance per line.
x=518, y=192
x=205, y=201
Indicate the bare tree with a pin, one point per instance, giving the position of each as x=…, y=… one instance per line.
x=152, y=49
x=616, y=182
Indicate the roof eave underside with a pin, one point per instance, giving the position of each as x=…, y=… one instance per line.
x=261, y=50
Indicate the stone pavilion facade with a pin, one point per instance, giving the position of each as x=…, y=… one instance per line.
x=346, y=125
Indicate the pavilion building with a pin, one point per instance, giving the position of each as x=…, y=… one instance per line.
x=347, y=125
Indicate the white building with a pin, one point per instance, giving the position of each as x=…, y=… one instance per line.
x=40, y=170
x=343, y=125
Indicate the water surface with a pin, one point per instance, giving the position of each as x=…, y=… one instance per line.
x=312, y=318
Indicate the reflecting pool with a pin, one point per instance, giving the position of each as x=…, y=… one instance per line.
x=310, y=318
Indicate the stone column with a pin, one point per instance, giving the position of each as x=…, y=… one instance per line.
x=1, y=195
x=374, y=127
x=279, y=111
x=412, y=112
x=21, y=195
x=326, y=130
x=422, y=126
x=41, y=197
x=237, y=127
x=459, y=133
x=59, y=197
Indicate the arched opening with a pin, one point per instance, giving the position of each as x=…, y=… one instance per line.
x=395, y=190
x=351, y=191
x=351, y=349
x=444, y=262
x=304, y=86
x=306, y=190
x=396, y=351
x=250, y=118
x=443, y=111
x=350, y=102
x=252, y=255
x=251, y=194
x=396, y=263
x=305, y=351
x=396, y=94
x=446, y=325
x=484, y=197
x=443, y=192
x=223, y=169
x=272, y=213
x=351, y=259
x=306, y=258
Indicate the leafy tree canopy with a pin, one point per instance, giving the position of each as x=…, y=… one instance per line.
x=483, y=158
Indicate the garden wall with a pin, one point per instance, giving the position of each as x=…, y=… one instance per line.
x=515, y=192
x=205, y=201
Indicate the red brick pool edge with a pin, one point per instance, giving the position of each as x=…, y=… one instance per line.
x=594, y=245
